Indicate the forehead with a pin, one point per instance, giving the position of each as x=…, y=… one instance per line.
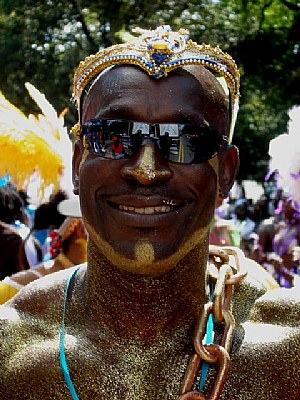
x=187, y=95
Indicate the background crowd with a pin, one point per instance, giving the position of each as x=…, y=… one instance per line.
x=267, y=230
x=36, y=241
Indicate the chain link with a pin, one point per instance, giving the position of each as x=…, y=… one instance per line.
x=225, y=277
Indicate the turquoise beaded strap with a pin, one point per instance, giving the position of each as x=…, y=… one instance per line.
x=62, y=355
x=208, y=340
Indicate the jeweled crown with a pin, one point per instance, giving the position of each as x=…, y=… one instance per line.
x=158, y=52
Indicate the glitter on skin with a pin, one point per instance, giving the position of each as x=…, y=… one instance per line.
x=145, y=168
x=84, y=157
x=214, y=163
x=158, y=267
x=127, y=365
x=144, y=252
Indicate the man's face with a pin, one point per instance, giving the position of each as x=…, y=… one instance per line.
x=144, y=221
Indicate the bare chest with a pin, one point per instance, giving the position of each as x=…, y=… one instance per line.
x=264, y=365
x=99, y=369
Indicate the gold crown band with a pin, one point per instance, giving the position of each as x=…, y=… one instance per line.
x=158, y=52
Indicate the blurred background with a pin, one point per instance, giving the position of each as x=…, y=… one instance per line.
x=42, y=42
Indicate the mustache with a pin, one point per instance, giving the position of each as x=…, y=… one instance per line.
x=165, y=191
x=144, y=191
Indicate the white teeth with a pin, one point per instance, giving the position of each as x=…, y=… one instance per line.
x=169, y=202
x=146, y=210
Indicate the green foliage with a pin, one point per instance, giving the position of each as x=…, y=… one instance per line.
x=43, y=41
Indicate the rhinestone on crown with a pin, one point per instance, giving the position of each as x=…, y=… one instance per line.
x=162, y=44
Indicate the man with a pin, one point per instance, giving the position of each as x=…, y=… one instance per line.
x=246, y=226
x=117, y=147
x=123, y=327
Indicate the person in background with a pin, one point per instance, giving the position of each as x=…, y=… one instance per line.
x=242, y=221
x=261, y=211
x=223, y=232
x=117, y=147
x=67, y=248
x=286, y=239
x=47, y=217
x=12, y=251
x=16, y=253
x=29, y=209
x=262, y=250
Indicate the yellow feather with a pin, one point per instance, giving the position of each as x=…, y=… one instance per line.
x=37, y=145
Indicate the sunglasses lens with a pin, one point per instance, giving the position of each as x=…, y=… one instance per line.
x=109, y=139
x=187, y=144
x=200, y=143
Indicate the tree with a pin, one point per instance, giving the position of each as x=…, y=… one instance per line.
x=270, y=61
x=42, y=42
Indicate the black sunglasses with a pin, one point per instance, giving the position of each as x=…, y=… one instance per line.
x=181, y=143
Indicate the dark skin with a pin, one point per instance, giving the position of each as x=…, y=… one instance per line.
x=131, y=313
x=181, y=184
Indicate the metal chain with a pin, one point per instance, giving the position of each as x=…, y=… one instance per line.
x=225, y=277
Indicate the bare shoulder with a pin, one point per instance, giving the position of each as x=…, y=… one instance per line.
x=279, y=307
x=37, y=307
x=38, y=295
x=30, y=325
x=41, y=296
x=270, y=304
x=266, y=348
x=36, y=301
x=268, y=345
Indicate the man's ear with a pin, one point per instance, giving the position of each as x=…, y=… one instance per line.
x=77, y=157
x=228, y=166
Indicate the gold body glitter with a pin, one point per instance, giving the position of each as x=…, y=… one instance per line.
x=157, y=267
x=144, y=252
x=144, y=364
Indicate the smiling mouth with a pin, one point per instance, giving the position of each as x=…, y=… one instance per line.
x=165, y=208
x=147, y=210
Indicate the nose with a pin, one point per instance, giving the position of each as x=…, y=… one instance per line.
x=147, y=165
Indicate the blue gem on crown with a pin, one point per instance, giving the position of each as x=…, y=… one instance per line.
x=162, y=43
x=160, y=57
